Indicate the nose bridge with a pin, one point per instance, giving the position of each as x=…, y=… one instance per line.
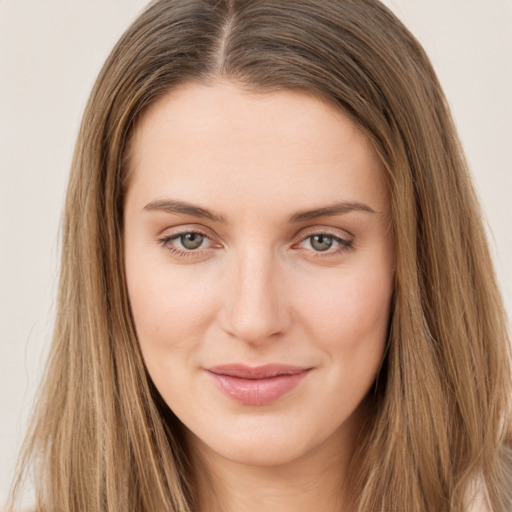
x=256, y=309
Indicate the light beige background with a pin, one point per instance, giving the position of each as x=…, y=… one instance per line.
x=50, y=53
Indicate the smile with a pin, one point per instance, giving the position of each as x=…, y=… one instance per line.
x=257, y=385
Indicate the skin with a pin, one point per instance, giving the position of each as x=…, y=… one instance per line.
x=257, y=290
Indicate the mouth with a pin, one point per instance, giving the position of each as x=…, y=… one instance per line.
x=261, y=385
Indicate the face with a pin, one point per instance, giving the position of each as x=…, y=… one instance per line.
x=259, y=268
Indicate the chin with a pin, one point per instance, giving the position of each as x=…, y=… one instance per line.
x=261, y=445
x=263, y=454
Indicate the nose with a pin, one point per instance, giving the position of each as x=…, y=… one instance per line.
x=256, y=309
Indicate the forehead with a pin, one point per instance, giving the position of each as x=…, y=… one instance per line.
x=280, y=147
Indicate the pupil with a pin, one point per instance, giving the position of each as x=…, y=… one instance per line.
x=192, y=240
x=321, y=242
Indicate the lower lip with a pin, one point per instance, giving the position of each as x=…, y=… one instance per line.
x=257, y=391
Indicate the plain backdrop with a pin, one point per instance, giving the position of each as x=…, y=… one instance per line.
x=50, y=54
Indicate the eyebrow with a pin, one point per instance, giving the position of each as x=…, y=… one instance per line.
x=328, y=211
x=175, y=206
x=186, y=208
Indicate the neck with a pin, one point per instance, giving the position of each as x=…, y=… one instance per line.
x=276, y=489
x=317, y=480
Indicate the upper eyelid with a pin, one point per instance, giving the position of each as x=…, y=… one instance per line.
x=175, y=231
x=302, y=234
x=317, y=230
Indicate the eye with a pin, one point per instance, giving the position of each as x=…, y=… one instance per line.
x=191, y=241
x=326, y=243
x=186, y=243
x=321, y=242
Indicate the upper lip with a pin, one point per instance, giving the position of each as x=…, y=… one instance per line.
x=243, y=371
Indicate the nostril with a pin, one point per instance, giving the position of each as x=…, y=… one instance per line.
x=255, y=321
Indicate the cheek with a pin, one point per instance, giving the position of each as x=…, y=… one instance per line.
x=348, y=318
x=171, y=311
x=353, y=305
x=170, y=306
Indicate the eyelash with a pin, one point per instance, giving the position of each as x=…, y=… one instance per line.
x=344, y=245
x=165, y=243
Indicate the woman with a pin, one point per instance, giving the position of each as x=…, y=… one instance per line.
x=276, y=292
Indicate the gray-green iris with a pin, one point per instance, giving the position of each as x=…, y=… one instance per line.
x=321, y=242
x=191, y=240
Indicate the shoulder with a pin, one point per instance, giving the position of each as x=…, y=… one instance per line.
x=479, y=498
x=480, y=507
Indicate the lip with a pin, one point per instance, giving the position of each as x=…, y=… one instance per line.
x=260, y=385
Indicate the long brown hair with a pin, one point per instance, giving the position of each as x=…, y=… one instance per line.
x=102, y=438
